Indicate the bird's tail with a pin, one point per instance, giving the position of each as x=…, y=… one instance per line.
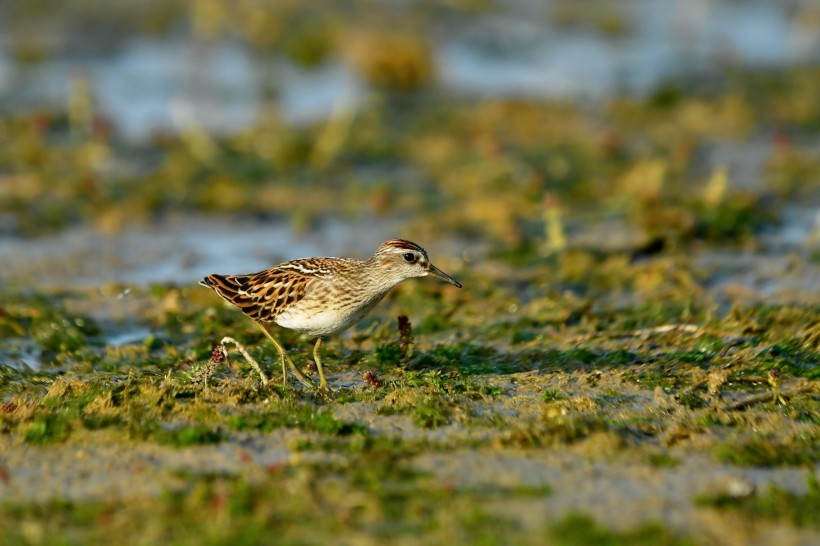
x=226, y=286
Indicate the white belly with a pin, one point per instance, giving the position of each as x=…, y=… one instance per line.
x=323, y=321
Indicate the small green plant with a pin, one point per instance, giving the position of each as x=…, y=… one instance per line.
x=551, y=395
x=389, y=354
x=431, y=412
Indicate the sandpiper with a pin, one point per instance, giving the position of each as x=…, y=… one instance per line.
x=323, y=296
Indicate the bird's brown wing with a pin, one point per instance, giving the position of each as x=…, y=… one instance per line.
x=265, y=295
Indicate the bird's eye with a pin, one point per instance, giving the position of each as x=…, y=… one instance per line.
x=409, y=257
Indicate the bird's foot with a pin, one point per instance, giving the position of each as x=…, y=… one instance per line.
x=326, y=389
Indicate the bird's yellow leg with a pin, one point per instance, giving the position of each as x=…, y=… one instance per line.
x=318, y=360
x=285, y=358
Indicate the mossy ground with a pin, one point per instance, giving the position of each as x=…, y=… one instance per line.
x=379, y=458
x=634, y=358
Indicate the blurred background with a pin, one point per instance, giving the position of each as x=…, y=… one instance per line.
x=156, y=141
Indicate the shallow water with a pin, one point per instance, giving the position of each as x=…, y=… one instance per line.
x=180, y=250
x=164, y=84
x=519, y=55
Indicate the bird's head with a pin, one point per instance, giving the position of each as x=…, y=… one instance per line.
x=404, y=259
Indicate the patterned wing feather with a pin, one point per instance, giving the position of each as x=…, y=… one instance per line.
x=264, y=295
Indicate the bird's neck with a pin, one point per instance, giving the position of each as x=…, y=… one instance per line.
x=377, y=278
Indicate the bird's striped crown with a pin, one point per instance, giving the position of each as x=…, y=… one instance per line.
x=400, y=244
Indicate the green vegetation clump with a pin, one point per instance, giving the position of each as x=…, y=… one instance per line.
x=551, y=395
x=431, y=412
x=773, y=503
x=189, y=436
x=302, y=416
x=581, y=530
x=763, y=451
x=47, y=428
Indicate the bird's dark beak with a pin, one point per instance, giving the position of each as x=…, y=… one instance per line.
x=436, y=272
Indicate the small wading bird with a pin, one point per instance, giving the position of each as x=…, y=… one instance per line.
x=322, y=296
